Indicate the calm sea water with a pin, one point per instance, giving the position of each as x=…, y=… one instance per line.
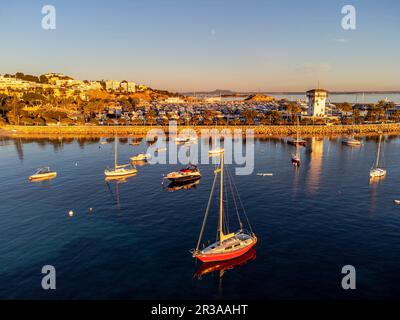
x=134, y=245
x=337, y=97
x=349, y=97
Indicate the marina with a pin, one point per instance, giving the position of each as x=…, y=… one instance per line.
x=311, y=220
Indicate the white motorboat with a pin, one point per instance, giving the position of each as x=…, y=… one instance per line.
x=141, y=157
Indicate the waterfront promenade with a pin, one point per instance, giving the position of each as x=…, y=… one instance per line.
x=259, y=130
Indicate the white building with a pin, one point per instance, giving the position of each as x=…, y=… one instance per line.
x=128, y=86
x=14, y=83
x=317, y=102
x=112, y=85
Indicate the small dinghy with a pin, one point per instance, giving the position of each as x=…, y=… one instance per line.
x=265, y=174
x=397, y=202
x=43, y=174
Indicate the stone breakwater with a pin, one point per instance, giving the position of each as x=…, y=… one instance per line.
x=364, y=129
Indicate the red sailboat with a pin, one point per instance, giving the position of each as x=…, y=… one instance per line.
x=229, y=245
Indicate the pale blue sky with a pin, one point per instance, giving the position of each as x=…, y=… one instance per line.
x=184, y=45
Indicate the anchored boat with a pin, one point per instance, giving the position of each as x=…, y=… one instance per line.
x=351, y=142
x=296, y=159
x=43, y=174
x=141, y=157
x=190, y=173
x=378, y=172
x=297, y=142
x=229, y=245
x=119, y=171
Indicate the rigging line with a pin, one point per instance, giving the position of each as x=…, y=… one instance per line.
x=234, y=200
x=207, y=210
x=109, y=189
x=241, y=203
x=226, y=213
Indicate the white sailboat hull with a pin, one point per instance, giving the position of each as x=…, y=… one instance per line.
x=120, y=172
x=378, y=172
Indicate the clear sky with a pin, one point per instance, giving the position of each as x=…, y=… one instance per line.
x=187, y=45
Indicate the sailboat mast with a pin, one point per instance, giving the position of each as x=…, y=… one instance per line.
x=115, y=153
x=378, y=154
x=221, y=199
x=298, y=136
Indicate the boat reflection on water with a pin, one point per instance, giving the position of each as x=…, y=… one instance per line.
x=376, y=180
x=222, y=266
x=140, y=163
x=116, y=181
x=176, y=186
x=315, y=157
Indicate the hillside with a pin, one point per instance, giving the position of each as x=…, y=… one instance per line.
x=259, y=98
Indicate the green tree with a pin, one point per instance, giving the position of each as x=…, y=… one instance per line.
x=15, y=110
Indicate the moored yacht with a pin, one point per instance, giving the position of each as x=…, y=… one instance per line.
x=378, y=172
x=190, y=173
x=229, y=245
x=119, y=170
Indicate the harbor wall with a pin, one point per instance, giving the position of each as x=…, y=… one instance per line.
x=260, y=130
